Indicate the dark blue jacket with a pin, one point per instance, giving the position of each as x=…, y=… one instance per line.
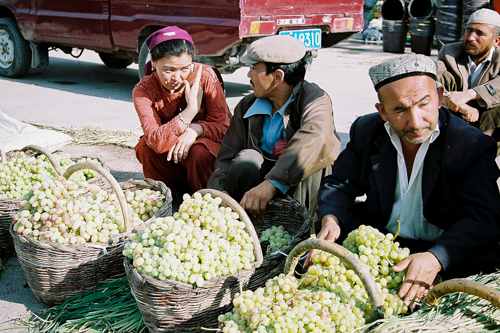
x=459, y=185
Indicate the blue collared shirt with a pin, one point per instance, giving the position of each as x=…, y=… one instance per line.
x=273, y=129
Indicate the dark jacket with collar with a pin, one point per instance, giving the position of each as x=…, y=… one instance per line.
x=313, y=143
x=454, y=60
x=459, y=185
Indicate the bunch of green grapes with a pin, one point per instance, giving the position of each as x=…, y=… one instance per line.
x=69, y=212
x=380, y=252
x=329, y=297
x=143, y=203
x=22, y=171
x=285, y=305
x=19, y=173
x=277, y=237
x=89, y=173
x=65, y=162
x=201, y=241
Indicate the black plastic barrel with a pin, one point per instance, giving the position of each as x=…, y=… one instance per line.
x=448, y=22
x=470, y=6
x=422, y=35
x=421, y=9
x=394, y=35
x=394, y=10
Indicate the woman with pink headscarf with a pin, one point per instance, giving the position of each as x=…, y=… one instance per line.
x=183, y=113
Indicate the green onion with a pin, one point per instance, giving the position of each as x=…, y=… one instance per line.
x=455, y=312
x=109, y=307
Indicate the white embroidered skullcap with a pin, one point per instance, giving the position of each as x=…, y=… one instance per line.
x=402, y=66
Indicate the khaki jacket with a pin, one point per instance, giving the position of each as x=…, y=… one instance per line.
x=453, y=59
x=313, y=143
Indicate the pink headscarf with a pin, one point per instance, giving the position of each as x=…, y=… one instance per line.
x=161, y=36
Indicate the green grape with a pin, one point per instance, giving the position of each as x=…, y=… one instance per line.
x=277, y=237
x=143, y=203
x=329, y=297
x=22, y=171
x=69, y=212
x=201, y=241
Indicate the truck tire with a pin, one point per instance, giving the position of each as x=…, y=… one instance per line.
x=112, y=61
x=15, y=51
x=144, y=57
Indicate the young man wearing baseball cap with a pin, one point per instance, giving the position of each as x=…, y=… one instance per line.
x=470, y=70
x=282, y=138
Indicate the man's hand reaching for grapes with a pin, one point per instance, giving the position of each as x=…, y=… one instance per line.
x=330, y=231
x=422, y=270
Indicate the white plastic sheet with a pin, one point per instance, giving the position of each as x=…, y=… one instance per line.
x=15, y=134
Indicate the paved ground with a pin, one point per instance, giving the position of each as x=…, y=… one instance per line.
x=83, y=92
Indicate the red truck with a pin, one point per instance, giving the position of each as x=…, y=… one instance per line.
x=117, y=29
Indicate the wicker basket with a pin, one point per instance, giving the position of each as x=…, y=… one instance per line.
x=148, y=183
x=56, y=272
x=296, y=220
x=9, y=207
x=348, y=258
x=169, y=305
x=98, y=180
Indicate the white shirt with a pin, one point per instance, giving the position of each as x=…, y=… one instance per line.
x=475, y=70
x=408, y=205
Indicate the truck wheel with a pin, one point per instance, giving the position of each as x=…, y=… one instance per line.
x=15, y=51
x=144, y=57
x=112, y=61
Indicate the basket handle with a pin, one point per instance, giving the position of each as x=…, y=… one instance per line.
x=248, y=223
x=2, y=154
x=112, y=181
x=465, y=286
x=47, y=153
x=347, y=257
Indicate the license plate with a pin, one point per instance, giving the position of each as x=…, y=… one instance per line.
x=311, y=38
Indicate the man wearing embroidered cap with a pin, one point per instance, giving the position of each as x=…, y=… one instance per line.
x=470, y=72
x=282, y=137
x=426, y=174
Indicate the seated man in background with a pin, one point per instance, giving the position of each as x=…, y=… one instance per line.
x=282, y=138
x=423, y=169
x=469, y=72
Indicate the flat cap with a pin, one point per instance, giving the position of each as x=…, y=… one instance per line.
x=485, y=16
x=280, y=49
x=397, y=68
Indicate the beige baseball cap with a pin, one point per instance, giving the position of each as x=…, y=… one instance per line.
x=281, y=49
x=485, y=16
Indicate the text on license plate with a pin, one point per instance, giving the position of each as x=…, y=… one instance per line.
x=310, y=37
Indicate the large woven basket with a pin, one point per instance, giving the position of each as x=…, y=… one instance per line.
x=172, y=306
x=9, y=207
x=98, y=180
x=148, y=183
x=296, y=220
x=56, y=272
